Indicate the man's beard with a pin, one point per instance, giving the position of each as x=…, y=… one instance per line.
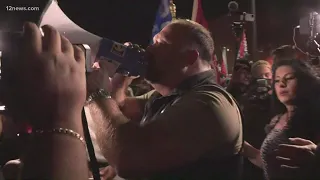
x=153, y=74
x=153, y=77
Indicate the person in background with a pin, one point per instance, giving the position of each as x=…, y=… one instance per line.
x=256, y=108
x=290, y=149
x=261, y=70
x=240, y=80
x=256, y=103
x=286, y=52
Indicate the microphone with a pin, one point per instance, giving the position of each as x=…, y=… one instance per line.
x=233, y=6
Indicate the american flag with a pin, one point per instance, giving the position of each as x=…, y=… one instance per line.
x=163, y=17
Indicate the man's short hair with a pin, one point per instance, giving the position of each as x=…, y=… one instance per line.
x=199, y=38
x=284, y=52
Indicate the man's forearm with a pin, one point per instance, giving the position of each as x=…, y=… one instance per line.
x=56, y=156
x=115, y=133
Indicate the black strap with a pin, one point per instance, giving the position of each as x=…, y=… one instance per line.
x=93, y=163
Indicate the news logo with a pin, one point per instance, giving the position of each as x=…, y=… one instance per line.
x=118, y=49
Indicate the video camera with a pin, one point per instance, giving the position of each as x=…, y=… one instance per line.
x=259, y=89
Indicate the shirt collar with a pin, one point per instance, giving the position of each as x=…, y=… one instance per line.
x=206, y=77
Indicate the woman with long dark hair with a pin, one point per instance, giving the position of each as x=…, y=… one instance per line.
x=289, y=151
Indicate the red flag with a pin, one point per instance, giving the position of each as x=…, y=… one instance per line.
x=243, y=48
x=223, y=69
x=198, y=16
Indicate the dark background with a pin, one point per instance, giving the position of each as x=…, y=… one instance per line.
x=132, y=20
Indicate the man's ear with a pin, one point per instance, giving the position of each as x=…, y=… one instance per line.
x=191, y=56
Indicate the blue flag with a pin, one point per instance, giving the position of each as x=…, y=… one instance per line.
x=163, y=17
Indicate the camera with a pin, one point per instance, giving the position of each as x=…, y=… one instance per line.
x=247, y=17
x=259, y=89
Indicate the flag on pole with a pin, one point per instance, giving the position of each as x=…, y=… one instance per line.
x=197, y=13
x=243, y=48
x=198, y=16
x=224, y=63
x=163, y=17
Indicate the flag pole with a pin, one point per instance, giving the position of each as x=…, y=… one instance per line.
x=254, y=32
x=224, y=60
x=194, y=10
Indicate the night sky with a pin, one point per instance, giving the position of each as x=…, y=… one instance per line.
x=132, y=20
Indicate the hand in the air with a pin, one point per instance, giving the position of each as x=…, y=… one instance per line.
x=50, y=76
x=300, y=153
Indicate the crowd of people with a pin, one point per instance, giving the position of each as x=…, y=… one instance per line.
x=177, y=123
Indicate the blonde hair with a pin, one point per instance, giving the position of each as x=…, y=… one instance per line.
x=258, y=64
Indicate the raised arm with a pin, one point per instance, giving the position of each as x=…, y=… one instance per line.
x=131, y=107
x=52, y=75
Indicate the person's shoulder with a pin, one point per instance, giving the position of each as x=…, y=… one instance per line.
x=214, y=93
x=214, y=96
x=215, y=107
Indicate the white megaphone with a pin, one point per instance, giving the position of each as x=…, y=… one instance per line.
x=54, y=16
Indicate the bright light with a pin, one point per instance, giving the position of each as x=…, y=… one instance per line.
x=41, y=31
